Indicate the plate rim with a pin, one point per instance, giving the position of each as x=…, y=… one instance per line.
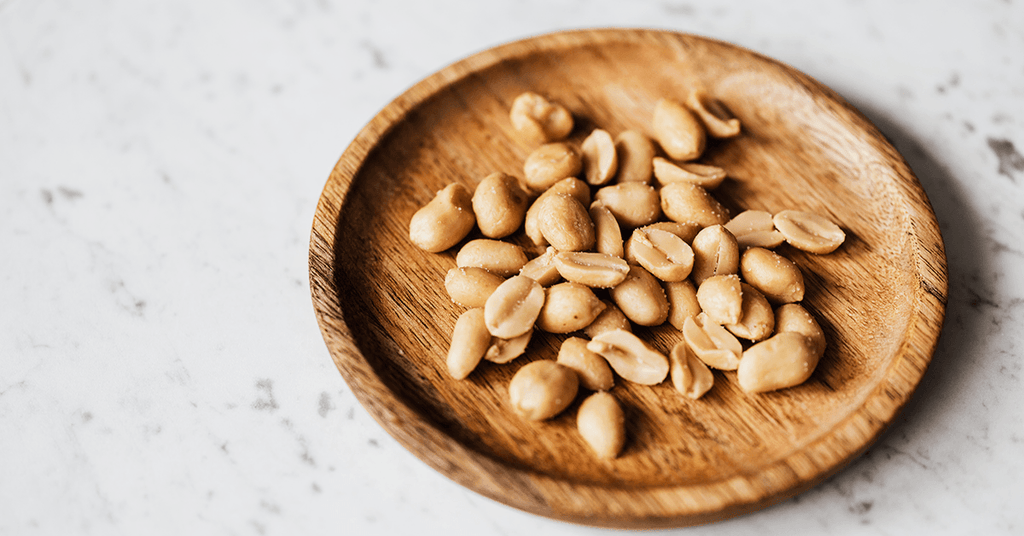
x=553, y=497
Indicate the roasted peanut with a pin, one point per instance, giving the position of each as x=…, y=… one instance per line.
x=715, y=252
x=784, y=360
x=757, y=321
x=602, y=424
x=630, y=357
x=690, y=376
x=635, y=152
x=662, y=253
x=721, y=298
x=499, y=203
x=808, y=231
x=551, y=163
x=606, y=229
x=774, y=275
x=537, y=120
x=501, y=258
x=444, y=221
x=634, y=204
x=591, y=269
x=571, y=186
x=641, y=298
x=505, y=350
x=682, y=302
x=470, y=286
x=542, y=389
x=470, y=340
x=684, y=202
x=717, y=120
x=754, y=228
x=795, y=318
x=600, y=162
x=685, y=230
x=702, y=175
x=678, y=131
x=513, y=307
x=566, y=224
x=568, y=307
x=610, y=318
x=712, y=343
x=542, y=268
x=591, y=369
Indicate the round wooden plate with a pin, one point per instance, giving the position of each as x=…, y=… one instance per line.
x=387, y=319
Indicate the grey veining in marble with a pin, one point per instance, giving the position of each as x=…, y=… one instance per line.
x=161, y=371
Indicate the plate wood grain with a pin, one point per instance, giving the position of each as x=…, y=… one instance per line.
x=387, y=320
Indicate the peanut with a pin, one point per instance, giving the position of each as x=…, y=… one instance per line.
x=568, y=307
x=715, y=252
x=757, y=321
x=717, y=120
x=712, y=343
x=444, y=221
x=602, y=424
x=684, y=202
x=542, y=268
x=662, y=253
x=593, y=371
x=682, y=302
x=794, y=317
x=551, y=163
x=470, y=287
x=690, y=376
x=634, y=204
x=774, y=275
x=635, y=152
x=678, y=131
x=808, y=231
x=610, y=318
x=600, y=162
x=470, y=340
x=566, y=224
x=700, y=174
x=499, y=203
x=608, y=235
x=505, y=350
x=542, y=389
x=500, y=258
x=754, y=228
x=641, y=298
x=537, y=120
x=571, y=186
x=784, y=360
x=513, y=307
x=591, y=269
x=721, y=298
x=630, y=357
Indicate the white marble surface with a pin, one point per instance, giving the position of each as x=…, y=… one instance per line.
x=161, y=370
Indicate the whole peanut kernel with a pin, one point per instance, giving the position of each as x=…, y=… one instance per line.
x=470, y=286
x=542, y=389
x=444, y=221
x=634, y=204
x=610, y=318
x=777, y=277
x=551, y=163
x=600, y=162
x=470, y=340
x=504, y=259
x=499, y=203
x=684, y=202
x=757, y=320
x=593, y=371
x=641, y=298
x=721, y=298
x=784, y=360
x=601, y=423
x=635, y=152
x=537, y=120
x=794, y=317
x=568, y=307
x=678, y=130
x=715, y=252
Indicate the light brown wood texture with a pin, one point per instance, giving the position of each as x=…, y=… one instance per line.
x=387, y=320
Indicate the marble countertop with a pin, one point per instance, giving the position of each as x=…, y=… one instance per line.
x=161, y=369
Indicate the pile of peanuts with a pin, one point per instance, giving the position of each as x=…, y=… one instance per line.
x=712, y=277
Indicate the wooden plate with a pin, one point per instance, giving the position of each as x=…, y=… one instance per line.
x=387, y=319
